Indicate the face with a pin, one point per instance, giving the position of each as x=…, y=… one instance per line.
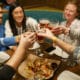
x=10, y=1
x=70, y=12
x=1, y=15
x=18, y=15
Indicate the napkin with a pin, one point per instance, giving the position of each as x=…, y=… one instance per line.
x=59, y=52
x=67, y=75
x=3, y=57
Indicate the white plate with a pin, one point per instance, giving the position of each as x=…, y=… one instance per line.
x=67, y=75
x=3, y=57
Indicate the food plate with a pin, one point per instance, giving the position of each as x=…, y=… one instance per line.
x=35, y=67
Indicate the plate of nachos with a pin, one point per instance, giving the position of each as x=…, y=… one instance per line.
x=36, y=67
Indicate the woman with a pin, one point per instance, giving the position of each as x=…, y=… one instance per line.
x=5, y=42
x=18, y=22
x=69, y=30
x=72, y=14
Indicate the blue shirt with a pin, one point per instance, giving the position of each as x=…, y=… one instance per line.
x=5, y=41
x=2, y=30
x=6, y=7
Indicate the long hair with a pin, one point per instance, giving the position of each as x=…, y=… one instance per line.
x=12, y=21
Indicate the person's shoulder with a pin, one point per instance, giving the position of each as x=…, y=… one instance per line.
x=7, y=7
x=30, y=18
x=1, y=26
x=7, y=21
x=76, y=21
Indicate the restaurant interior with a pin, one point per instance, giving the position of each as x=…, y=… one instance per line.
x=58, y=67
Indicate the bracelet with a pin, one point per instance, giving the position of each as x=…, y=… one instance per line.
x=54, y=39
x=18, y=38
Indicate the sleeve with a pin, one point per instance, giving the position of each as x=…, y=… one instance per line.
x=31, y=22
x=75, y=31
x=6, y=73
x=8, y=31
x=7, y=41
x=76, y=54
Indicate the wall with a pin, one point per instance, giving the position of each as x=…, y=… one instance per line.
x=50, y=3
x=32, y=3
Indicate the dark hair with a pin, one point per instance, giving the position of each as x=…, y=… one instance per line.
x=1, y=5
x=77, y=4
x=12, y=21
x=5, y=2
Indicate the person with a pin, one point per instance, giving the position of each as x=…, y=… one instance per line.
x=7, y=3
x=69, y=30
x=70, y=49
x=10, y=67
x=18, y=23
x=5, y=42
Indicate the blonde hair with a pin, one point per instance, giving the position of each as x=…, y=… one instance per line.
x=77, y=4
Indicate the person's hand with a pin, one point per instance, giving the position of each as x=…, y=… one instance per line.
x=45, y=33
x=57, y=30
x=27, y=39
x=66, y=30
x=60, y=30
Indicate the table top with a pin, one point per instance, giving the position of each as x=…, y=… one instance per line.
x=63, y=66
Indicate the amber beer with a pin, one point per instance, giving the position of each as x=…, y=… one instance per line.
x=44, y=23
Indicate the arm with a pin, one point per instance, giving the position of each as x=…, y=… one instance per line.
x=8, y=41
x=25, y=42
x=9, y=68
x=65, y=46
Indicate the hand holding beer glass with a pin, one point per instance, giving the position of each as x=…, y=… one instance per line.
x=53, y=26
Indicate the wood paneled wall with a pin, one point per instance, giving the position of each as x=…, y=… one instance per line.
x=57, y=3
x=32, y=3
x=51, y=3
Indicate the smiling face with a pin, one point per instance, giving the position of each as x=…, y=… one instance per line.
x=70, y=12
x=18, y=15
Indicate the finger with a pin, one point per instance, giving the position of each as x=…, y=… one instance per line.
x=30, y=35
x=26, y=33
x=32, y=40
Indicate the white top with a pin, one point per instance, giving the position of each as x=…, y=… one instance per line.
x=29, y=22
x=71, y=38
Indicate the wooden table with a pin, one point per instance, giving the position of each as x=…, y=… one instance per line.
x=63, y=66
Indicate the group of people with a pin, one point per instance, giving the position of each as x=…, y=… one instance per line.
x=16, y=35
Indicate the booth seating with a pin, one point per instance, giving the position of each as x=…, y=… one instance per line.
x=41, y=14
